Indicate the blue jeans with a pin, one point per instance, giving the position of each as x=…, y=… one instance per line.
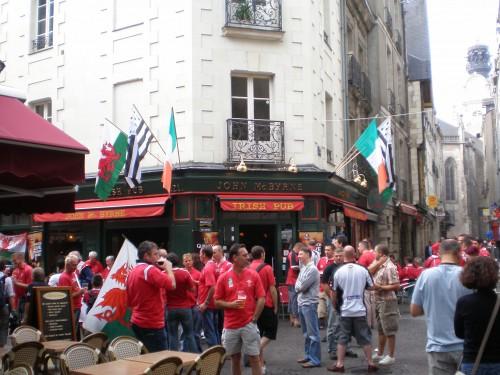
x=484, y=368
x=211, y=327
x=197, y=326
x=333, y=328
x=154, y=339
x=293, y=308
x=310, y=329
x=185, y=318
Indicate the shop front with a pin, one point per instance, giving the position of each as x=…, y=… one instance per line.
x=272, y=209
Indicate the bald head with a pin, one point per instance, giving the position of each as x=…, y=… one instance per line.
x=349, y=253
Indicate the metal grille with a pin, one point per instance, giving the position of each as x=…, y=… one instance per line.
x=261, y=14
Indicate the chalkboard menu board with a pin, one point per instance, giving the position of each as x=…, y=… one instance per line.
x=55, y=313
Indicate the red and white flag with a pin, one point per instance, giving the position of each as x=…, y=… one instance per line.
x=13, y=244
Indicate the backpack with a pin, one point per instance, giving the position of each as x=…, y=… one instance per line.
x=3, y=293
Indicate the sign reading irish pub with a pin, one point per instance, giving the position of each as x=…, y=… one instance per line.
x=256, y=203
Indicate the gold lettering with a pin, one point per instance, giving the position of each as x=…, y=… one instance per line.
x=227, y=185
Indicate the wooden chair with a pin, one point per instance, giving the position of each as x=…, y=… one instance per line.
x=209, y=362
x=24, y=334
x=124, y=347
x=28, y=353
x=97, y=340
x=21, y=369
x=77, y=356
x=166, y=366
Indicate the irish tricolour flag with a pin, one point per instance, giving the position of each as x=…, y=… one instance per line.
x=113, y=153
x=376, y=146
x=110, y=312
x=166, y=178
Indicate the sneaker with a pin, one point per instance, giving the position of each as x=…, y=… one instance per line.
x=264, y=370
x=375, y=356
x=387, y=360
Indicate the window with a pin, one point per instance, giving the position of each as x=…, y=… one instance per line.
x=43, y=109
x=450, y=168
x=44, y=24
x=250, y=101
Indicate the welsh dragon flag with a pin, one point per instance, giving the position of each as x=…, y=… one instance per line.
x=376, y=147
x=113, y=152
x=166, y=178
x=110, y=313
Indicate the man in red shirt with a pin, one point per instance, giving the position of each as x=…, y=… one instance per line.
x=434, y=260
x=206, y=289
x=240, y=293
x=367, y=255
x=292, y=262
x=221, y=264
x=322, y=264
x=69, y=278
x=179, y=308
x=94, y=263
x=145, y=284
x=187, y=260
x=21, y=278
x=110, y=260
x=268, y=320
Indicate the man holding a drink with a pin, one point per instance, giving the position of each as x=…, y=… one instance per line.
x=240, y=293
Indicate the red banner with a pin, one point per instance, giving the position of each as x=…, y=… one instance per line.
x=120, y=213
x=264, y=205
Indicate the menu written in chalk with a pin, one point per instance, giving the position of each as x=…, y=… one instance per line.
x=55, y=313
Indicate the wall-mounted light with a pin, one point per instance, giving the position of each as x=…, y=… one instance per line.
x=358, y=178
x=292, y=168
x=242, y=167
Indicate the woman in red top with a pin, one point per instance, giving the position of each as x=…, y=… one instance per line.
x=292, y=262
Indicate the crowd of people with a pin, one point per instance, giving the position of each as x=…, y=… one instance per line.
x=177, y=301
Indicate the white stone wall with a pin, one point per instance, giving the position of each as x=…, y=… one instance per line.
x=110, y=54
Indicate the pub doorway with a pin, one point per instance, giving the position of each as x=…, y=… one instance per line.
x=263, y=235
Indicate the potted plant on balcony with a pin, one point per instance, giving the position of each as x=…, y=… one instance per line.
x=243, y=11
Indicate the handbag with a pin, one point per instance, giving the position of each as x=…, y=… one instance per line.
x=477, y=362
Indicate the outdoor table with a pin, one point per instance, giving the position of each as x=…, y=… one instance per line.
x=57, y=346
x=150, y=358
x=121, y=366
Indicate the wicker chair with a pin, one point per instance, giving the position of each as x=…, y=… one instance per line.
x=209, y=362
x=28, y=353
x=97, y=340
x=77, y=356
x=124, y=347
x=20, y=369
x=24, y=334
x=166, y=366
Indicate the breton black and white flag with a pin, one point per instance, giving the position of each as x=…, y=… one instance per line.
x=139, y=138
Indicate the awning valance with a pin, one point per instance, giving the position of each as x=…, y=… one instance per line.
x=408, y=209
x=249, y=202
x=358, y=213
x=110, y=210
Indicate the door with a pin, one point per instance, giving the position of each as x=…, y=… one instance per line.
x=263, y=235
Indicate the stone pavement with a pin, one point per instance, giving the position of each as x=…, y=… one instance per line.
x=410, y=351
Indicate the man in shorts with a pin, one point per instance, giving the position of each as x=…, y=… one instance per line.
x=386, y=283
x=268, y=320
x=240, y=294
x=349, y=284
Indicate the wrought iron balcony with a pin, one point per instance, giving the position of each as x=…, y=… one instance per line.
x=354, y=71
x=41, y=42
x=257, y=14
x=258, y=141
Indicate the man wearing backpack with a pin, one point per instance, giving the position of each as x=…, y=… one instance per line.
x=268, y=320
x=6, y=300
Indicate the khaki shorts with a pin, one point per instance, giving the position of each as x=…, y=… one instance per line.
x=322, y=305
x=244, y=340
x=387, y=313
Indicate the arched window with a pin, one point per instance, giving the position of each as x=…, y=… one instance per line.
x=450, y=169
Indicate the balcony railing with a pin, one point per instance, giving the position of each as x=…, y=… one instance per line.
x=258, y=141
x=354, y=71
x=260, y=14
x=41, y=42
x=451, y=139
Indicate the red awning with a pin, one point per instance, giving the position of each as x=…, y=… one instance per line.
x=110, y=210
x=355, y=213
x=408, y=209
x=39, y=164
x=248, y=202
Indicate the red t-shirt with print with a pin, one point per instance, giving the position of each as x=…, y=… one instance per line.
x=195, y=275
x=178, y=298
x=208, y=279
x=227, y=289
x=70, y=279
x=266, y=275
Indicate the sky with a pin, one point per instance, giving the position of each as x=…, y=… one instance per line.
x=454, y=26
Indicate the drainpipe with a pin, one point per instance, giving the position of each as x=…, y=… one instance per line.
x=345, y=93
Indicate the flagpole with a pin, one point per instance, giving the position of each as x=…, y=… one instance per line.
x=176, y=139
x=347, y=161
x=121, y=131
x=145, y=123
